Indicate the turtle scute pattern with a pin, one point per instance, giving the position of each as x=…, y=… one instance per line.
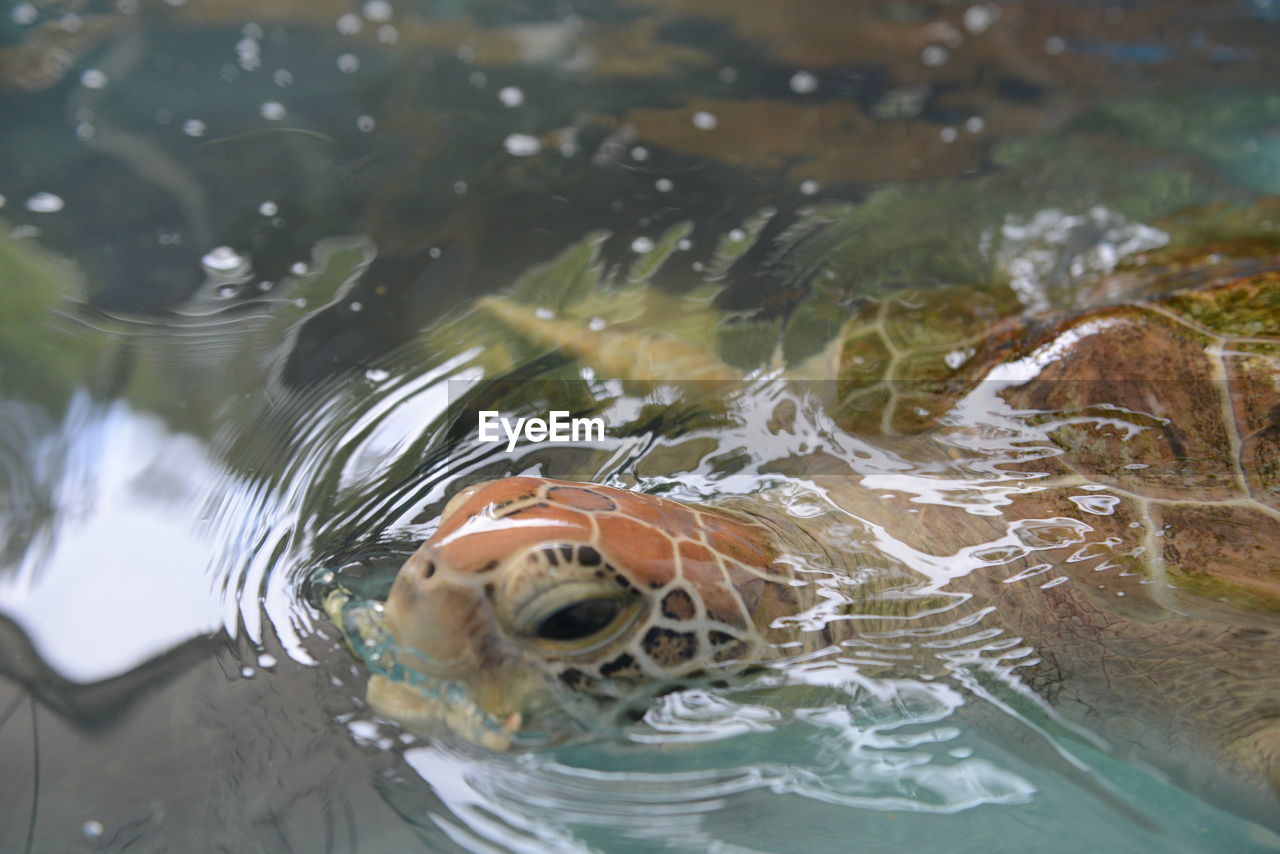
x=1172, y=404
x=707, y=579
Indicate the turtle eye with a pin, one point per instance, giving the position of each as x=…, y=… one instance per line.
x=581, y=620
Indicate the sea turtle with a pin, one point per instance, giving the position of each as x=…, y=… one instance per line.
x=1117, y=553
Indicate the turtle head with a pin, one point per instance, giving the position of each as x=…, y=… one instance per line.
x=534, y=591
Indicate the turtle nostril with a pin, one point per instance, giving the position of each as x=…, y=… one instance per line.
x=429, y=570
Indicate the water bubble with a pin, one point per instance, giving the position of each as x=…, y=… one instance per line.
x=459, y=187
x=365, y=123
x=737, y=235
x=434, y=252
x=979, y=18
x=298, y=268
x=465, y=53
x=935, y=55
x=273, y=111
x=266, y=661
x=247, y=672
x=223, y=259
x=703, y=120
x=356, y=306
x=163, y=116
x=640, y=153
x=727, y=75
x=388, y=34
x=93, y=79
x=194, y=127
x=974, y=124
x=365, y=730
x=377, y=10
x=350, y=24
x=248, y=56
x=92, y=829
x=641, y=245
x=685, y=244
x=1054, y=45
x=84, y=130
x=510, y=96
x=478, y=79
x=24, y=13
x=544, y=314
x=282, y=77
x=348, y=63
x=45, y=203
x=664, y=185
x=268, y=208
x=522, y=145
x=596, y=324
x=2, y=201
x=809, y=187
x=948, y=134
x=803, y=82
x=376, y=375
x=70, y=23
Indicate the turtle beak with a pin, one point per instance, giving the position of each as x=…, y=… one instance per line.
x=449, y=629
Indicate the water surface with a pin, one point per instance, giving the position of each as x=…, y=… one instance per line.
x=239, y=246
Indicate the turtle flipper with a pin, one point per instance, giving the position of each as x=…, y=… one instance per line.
x=616, y=353
x=621, y=326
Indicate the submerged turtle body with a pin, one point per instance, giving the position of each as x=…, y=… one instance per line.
x=1124, y=564
x=1172, y=405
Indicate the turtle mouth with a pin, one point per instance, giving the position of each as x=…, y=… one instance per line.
x=433, y=707
x=403, y=688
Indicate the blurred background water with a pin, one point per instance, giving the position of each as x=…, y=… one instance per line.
x=237, y=246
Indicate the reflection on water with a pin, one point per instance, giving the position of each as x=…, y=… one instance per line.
x=242, y=278
x=119, y=487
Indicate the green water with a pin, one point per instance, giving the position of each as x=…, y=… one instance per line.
x=239, y=243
